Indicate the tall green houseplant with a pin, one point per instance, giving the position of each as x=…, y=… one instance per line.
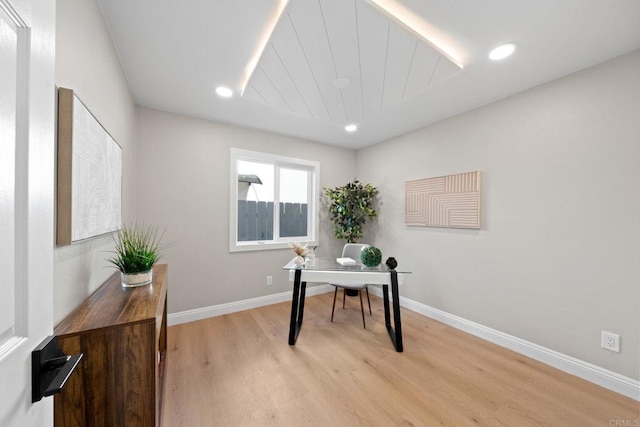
x=350, y=206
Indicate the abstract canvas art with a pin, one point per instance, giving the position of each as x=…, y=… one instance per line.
x=89, y=174
x=451, y=201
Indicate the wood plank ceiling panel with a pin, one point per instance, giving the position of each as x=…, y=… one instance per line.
x=425, y=60
x=264, y=87
x=307, y=19
x=250, y=94
x=285, y=39
x=317, y=42
x=273, y=67
x=373, y=30
x=342, y=33
x=444, y=69
x=401, y=47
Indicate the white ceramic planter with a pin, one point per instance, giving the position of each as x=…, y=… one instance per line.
x=136, y=279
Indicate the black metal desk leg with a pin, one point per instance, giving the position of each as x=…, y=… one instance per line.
x=396, y=310
x=297, y=307
x=303, y=291
x=395, y=335
x=385, y=299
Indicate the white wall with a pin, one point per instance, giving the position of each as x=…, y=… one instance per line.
x=86, y=61
x=557, y=259
x=183, y=186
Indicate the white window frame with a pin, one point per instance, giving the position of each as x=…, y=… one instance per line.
x=313, y=187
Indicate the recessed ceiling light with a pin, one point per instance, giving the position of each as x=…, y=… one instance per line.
x=224, y=92
x=502, y=51
x=351, y=128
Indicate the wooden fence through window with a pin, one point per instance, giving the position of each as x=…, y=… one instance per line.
x=255, y=220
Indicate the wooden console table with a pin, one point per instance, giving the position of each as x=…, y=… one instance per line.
x=123, y=336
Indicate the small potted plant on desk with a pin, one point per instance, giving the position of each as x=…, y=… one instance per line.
x=137, y=249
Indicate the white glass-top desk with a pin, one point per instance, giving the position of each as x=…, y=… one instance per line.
x=328, y=270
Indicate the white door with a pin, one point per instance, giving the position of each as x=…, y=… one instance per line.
x=27, y=113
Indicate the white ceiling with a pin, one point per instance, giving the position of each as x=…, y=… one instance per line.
x=175, y=53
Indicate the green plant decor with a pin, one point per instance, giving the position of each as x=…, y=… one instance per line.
x=350, y=206
x=371, y=256
x=137, y=249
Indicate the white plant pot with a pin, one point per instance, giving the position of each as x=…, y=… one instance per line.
x=136, y=279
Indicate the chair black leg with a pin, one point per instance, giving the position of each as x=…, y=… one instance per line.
x=369, y=301
x=344, y=296
x=335, y=294
x=362, y=309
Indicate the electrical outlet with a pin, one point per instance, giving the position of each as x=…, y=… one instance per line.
x=269, y=280
x=610, y=341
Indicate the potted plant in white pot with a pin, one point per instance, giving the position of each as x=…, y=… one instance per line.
x=137, y=249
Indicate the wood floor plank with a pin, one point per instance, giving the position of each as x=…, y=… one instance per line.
x=238, y=370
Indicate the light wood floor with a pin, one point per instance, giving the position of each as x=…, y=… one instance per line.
x=238, y=370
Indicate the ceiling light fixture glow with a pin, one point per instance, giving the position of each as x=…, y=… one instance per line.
x=414, y=23
x=351, y=128
x=502, y=51
x=224, y=92
x=262, y=44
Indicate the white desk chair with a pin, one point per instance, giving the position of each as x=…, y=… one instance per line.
x=352, y=250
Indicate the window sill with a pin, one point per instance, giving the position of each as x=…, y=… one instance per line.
x=265, y=246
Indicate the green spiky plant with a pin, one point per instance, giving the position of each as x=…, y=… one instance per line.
x=350, y=206
x=137, y=249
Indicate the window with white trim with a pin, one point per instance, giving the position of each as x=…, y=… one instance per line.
x=273, y=201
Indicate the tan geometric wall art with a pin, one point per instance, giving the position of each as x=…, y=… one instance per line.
x=451, y=201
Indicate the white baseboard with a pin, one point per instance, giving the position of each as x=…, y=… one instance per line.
x=587, y=371
x=592, y=373
x=232, y=307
